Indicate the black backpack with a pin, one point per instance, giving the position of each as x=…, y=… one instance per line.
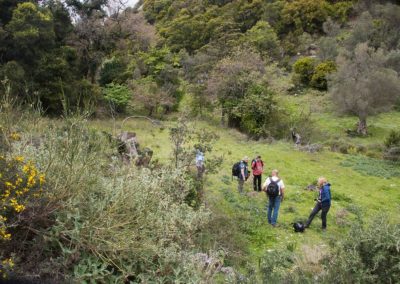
x=273, y=188
x=298, y=227
x=236, y=169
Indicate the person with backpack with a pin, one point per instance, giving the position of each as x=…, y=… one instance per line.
x=242, y=172
x=275, y=189
x=257, y=165
x=200, y=163
x=323, y=202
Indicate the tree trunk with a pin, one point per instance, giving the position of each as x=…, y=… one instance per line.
x=362, y=126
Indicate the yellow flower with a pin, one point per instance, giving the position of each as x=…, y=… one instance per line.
x=8, y=262
x=4, y=235
x=31, y=181
x=42, y=179
x=25, y=168
x=18, y=181
x=6, y=194
x=19, y=208
x=15, y=136
x=19, y=159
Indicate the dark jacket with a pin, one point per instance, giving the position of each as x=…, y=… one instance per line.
x=243, y=165
x=325, y=195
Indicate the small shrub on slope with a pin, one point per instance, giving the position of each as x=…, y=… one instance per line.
x=392, y=144
x=368, y=255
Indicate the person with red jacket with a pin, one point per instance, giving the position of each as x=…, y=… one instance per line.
x=257, y=165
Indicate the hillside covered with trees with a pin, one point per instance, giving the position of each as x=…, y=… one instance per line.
x=231, y=78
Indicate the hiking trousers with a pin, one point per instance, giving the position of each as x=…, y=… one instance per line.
x=240, y=185
x=273, y=209
x=257, y=182
x=324, y=212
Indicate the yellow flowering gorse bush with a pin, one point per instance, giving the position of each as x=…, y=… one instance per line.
x=20, y=183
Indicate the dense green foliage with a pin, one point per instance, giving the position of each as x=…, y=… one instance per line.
x=117, y=95
x=392, y=144
x=368, y=255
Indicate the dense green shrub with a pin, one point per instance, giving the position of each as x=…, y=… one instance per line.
x=264, y=39
x=322, y=70
x=342, y=10
x=393, y=139
x=275, y=263
x=392, y=146
x=112, y=71
x=305, y=15
x=117, y=95
x=367, y=255
x=304, y=69
x=257, y=111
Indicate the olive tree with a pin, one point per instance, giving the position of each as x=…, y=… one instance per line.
x=364, y=84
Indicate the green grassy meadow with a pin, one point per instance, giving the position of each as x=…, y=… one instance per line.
x=362, y=187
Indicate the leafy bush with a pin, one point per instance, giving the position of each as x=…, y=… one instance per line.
x=392, y=144
x=305, y=15
x=117, y=95
x=322, y=70
x=264, y=39
x=304, y=69
x=275, y=263
x=393, y=139
x=367, y=255
x=112, y=71
x=342, y=10
x=256, y=111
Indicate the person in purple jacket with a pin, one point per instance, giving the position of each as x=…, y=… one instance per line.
x=323, y=202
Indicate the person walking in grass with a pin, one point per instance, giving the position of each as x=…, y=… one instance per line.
x=323, y=203
x=257, y=165
x=275, y=189
x=200, y=163
x=243, y=174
